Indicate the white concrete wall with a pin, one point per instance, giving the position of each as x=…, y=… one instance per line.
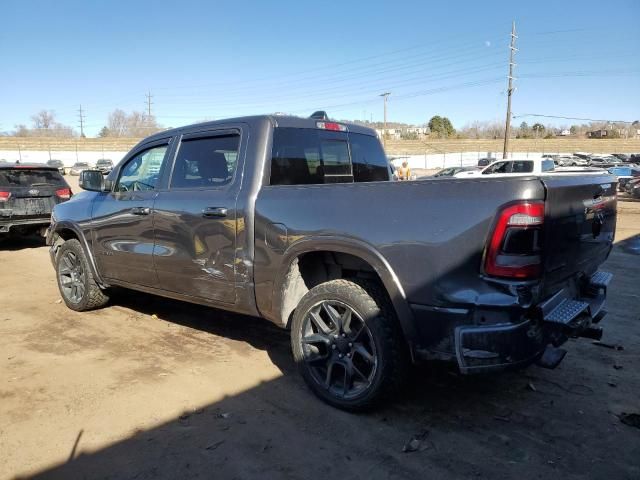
x=68, y=157
x=442, y=160
x=431, y=161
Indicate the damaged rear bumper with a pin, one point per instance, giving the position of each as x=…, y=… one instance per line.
x=574, y=311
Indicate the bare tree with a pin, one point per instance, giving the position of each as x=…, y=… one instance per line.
x=44, y=120
x=135, y=124
x=44, y=124
x=117, y=123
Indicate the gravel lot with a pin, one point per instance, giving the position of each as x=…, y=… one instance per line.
x=153, y=388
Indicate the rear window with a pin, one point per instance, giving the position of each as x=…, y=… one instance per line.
x=523, y=166
x=308, y=156
x=548, y=165
x=29, y=178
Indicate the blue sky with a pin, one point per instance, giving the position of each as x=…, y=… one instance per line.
x=214, y=59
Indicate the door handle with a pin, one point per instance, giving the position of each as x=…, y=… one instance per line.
x=141, y=210
x=214, y=212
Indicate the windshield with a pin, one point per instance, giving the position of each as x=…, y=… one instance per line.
x=81, y=165
x=29, y=177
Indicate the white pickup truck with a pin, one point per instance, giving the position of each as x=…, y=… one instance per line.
x=522, y=167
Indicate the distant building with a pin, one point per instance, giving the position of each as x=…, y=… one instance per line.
x=565, y=133
x=397, y=133
x=597, y=134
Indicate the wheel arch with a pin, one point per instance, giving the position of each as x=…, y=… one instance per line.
x=68, y=230
x=290, y=284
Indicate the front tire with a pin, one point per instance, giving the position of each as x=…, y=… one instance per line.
x=347, y=344
x=77, y=286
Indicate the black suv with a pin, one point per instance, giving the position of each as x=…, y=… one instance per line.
x=28, y=194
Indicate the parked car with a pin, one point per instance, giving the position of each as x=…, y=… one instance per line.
x=630, y=185
x=451, y=171
x=622, y=156
x=296, y=220
x=624, y=175
x=604, y=161
x=57, y=164
x=512, y=167
x=78, y=167
x=28, y=193
x=570, y=161
x=104, y=165
x=633, y=187
x=483, y=162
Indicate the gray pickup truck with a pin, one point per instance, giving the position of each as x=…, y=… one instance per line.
x=297, y=220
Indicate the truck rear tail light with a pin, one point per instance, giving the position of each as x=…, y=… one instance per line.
x=64, y=193
x=336, y=127
x=4, y=196
x=514, y=249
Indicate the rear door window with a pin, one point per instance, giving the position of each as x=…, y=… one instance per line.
x=30, y=178
x=206, y=162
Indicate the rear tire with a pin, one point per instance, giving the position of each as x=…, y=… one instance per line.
x=77, y=286
x=347, y=344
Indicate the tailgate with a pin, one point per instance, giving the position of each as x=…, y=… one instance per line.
x=27, y=205
x=580, y=222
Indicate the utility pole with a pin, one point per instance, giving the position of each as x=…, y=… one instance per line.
x=81, y=117
x=507, y=128
x=385, y=95
x=149, y=103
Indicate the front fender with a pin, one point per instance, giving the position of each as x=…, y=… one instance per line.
x=61, y=229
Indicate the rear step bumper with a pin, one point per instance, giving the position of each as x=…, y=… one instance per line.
x=568, y=313
x=6, y=226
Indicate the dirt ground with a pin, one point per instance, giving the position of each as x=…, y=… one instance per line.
x=150, y=388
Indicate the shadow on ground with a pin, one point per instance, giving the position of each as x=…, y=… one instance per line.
x=12, y=243
x=529, y=424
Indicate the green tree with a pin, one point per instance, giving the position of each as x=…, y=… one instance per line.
x=524, y=130
x=105, y=132
x=538, y=128
x=573, y=129
x=441, y=126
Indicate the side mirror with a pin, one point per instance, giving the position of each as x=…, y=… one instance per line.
x=92, y=180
